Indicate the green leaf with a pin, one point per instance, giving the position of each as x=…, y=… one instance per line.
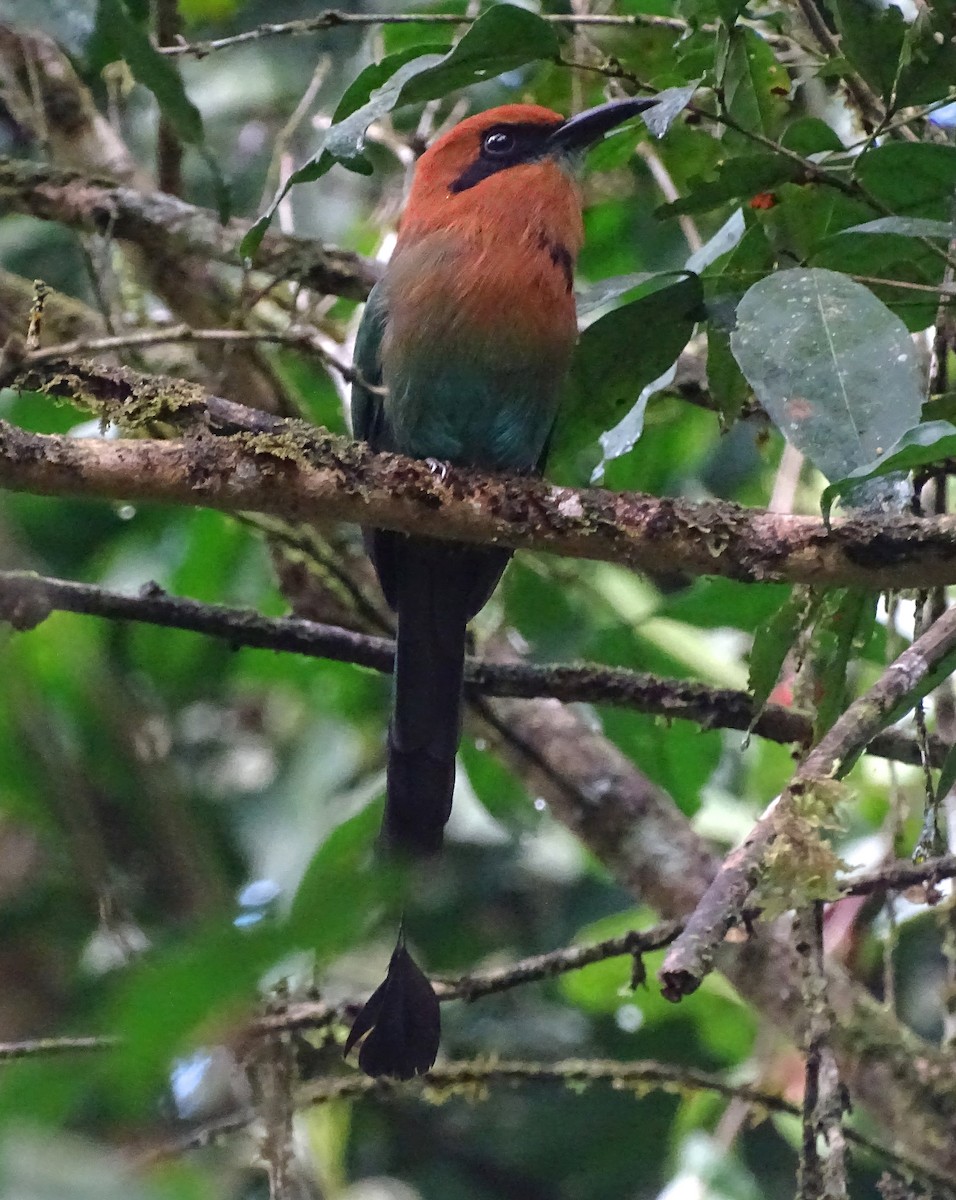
x=929, y=443
x=916, y=180
x=805, y=215
x=947, y=776
x=594, y=297
x=928, y=60
x=503, y=38
x=730, y=10
x=775, y=638
x=725, y=382
x=737, y=178
x=871, y=37
x=755, y=86
x=119, y=36
x=810, y=135
x=670, y=104
x=920, y=227
x=835, y=370
x=618, y=355
x=843, y=626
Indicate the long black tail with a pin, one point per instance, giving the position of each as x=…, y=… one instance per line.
x=436, y=588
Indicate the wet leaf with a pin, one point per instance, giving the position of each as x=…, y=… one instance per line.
x=928, y=443
x=618, y=356
x=835, y=370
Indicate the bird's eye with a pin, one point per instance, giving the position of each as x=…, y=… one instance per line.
x=498, y=143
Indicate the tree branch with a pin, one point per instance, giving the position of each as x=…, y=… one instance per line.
x=638, y=834
x=298, y=472
x=27, y=599
x=473, y=1078
x=692, y=955
x=163, y=225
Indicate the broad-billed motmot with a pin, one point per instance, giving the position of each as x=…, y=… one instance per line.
x=464, y=345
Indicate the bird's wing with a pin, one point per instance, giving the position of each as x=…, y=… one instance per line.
x=368, y=410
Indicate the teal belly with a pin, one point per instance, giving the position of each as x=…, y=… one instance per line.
x=499, y=418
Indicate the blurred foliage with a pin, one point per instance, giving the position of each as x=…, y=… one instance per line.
x=182, y=822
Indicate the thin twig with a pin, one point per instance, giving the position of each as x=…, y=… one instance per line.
x=473, y=1078
x=167, y=24
x=48, y=1047
x=303, y=339
x=334, y=18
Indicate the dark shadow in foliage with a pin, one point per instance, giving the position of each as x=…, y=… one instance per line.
x=400, y=1023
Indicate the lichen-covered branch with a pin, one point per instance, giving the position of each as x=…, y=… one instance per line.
x=235, y=459
x=50, y=102
x=692, y=955
x=636, y=831
x=474, y=1078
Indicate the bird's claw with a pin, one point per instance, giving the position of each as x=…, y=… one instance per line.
x=437, y=467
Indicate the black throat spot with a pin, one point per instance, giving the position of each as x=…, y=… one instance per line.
x=560, y=256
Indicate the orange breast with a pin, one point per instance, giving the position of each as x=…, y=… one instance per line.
x=495, y=261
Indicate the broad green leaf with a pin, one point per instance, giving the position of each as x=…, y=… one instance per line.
x=754, y=84
x=618, y=355
x=835, y=370
x=805, y=215
x=871, y=37
x=928, y=443
x=118, y=35
x=908, y=61
x=895, y=259
x=503, y=38
x=810, y=135
x=914, y=180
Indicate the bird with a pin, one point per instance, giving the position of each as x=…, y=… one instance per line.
x=460, y=358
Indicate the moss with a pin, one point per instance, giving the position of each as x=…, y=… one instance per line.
x=800, y=866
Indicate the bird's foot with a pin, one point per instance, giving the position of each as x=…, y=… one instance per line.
x=437, y=467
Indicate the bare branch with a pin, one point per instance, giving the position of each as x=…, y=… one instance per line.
x=301, y=339
x=334, y=18
x=47, y=1047
x=27, y=599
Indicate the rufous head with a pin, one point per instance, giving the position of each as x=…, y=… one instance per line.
x=507, y=158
